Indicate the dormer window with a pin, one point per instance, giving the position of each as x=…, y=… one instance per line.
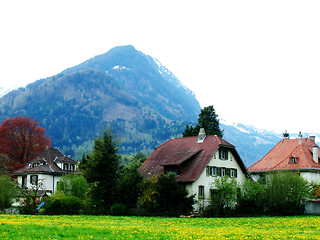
x=35, y=165
x=65, y=167
x=293, y=159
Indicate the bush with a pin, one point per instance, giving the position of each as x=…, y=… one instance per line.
x=251, y=199
x=8, y=191
x=73, y=184
x=285, y=192
x=62, y=204
x=118, y=209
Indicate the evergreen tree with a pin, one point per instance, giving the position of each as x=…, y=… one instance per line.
x=100, y=170
x=208, y=119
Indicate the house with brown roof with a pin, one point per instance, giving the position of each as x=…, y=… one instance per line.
x=45, y=170
x=298, y=155
x=196, y=162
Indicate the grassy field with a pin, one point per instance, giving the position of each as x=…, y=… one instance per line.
x=107, y=227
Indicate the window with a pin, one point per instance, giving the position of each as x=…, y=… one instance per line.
x=35, y=165
x=201, y=192
x=34, y=179
x=65, y=167
x=215, y=171
x=233, y=173
x=24, y=182
x=71, y=167
x=223, y=172
x=223, y=154
x=293, y=160
x=228, y=171
x=211, y=171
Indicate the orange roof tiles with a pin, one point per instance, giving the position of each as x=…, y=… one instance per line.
x=278, y=158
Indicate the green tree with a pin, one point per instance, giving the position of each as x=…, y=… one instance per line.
x=284, y=192
x=208, y=119
x=101, y=171
x=73, y=185
x=8, y=190
x=129, y=181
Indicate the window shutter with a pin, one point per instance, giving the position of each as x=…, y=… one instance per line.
x=235, y=173
x=219, y=171
x=207, y=170
x=219, y=153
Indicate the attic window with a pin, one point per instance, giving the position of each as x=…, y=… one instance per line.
x=293, y=160
x=223, y=154
x=65, y=167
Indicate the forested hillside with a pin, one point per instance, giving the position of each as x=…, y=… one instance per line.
x=131, y=92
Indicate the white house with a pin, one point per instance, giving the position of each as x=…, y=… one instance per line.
x=45, y=170
x=296, y=155
x=197, y=162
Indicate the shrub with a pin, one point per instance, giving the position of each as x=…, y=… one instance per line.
x=73, y=184
x=118, y=209
x=62, y=204
x=8, y=190
x=285, y=192
x=251, y=199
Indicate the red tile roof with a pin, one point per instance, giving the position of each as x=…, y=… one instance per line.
x=278, y=158
x=186, y=153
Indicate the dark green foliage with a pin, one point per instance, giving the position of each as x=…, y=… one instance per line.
x=285, y=192
x=62, y=204
x=129, y=181
x=73, y=185
x=8, y=190
x=118, y=209
x=101, y=171
x=208, y=119
x=173, y=199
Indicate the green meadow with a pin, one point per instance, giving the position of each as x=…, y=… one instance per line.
x=110, y=227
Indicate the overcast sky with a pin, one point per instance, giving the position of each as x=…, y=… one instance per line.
x=257, y=62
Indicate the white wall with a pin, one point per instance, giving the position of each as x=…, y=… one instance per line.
x=207, y=181
x=47, y=182
x=309, y=176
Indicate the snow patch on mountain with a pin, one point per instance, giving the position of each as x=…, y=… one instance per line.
x=118, y=67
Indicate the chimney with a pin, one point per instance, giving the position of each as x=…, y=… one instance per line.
x=315, y=151
x=202, y=135
x=313, y=138
x=300, y=138
x=285, y=135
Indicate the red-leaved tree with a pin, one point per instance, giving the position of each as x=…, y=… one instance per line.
x=21, y=139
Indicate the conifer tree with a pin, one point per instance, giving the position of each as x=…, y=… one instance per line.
x=101, y=169
x=208, y=119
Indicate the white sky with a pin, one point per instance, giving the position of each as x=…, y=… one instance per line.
x=257, y=62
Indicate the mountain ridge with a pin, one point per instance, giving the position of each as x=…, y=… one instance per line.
x=143, y=106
